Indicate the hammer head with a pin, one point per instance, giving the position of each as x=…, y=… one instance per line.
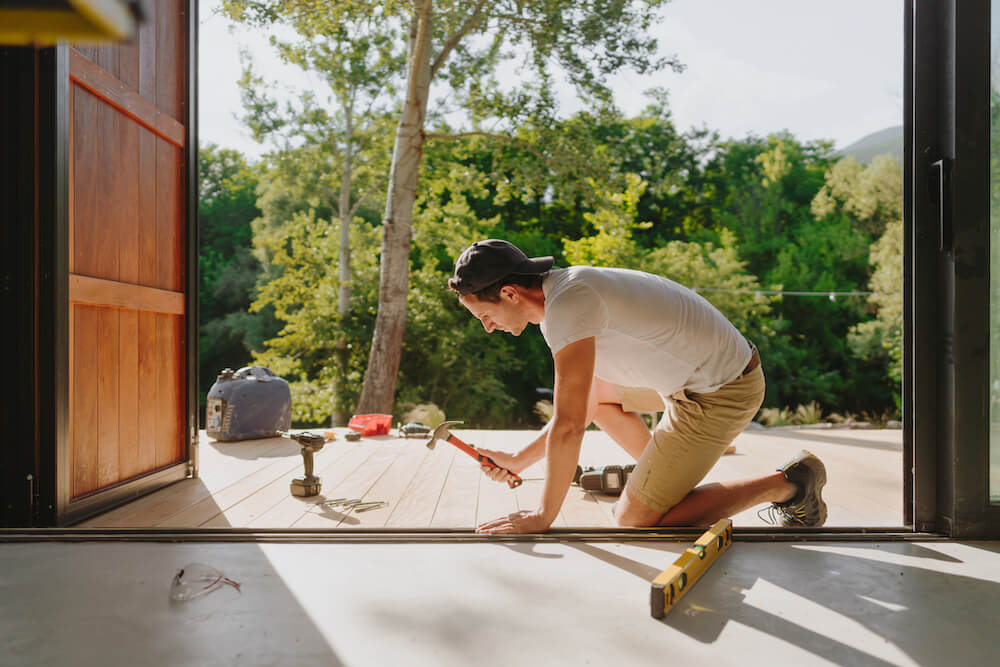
x=443, y=432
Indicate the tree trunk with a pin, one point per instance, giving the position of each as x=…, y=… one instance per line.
x=344, y=305
x=337, y=418
x=379, y=388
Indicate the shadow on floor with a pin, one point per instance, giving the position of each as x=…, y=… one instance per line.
x=844, y=603
x=119, y=611
x=187, y=503
x=251, y=450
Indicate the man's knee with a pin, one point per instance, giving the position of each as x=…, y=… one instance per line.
x=625, y=520
x=630, y=512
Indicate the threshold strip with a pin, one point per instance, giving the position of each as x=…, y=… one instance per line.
x=460, y=535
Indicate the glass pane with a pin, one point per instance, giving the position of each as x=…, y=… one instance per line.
x=994, y=256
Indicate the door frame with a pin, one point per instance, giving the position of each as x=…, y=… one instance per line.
x=946, y=291
x=946, y=271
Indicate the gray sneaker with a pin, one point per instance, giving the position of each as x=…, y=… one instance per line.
x=806, y=508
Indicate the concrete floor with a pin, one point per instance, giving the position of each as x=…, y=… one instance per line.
x=500, y=603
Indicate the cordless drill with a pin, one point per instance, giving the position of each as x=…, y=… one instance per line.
x=606, y=479
x=309, y=485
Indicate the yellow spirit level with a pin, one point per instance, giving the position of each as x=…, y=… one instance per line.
x=670, y=585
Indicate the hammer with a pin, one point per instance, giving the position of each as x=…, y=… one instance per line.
x=442, y=432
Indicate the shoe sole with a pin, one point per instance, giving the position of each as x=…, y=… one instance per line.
x=820, y=483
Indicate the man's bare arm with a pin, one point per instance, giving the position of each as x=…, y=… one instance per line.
x=574, y=370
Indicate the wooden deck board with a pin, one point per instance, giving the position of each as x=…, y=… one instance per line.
x=246, y=511
x=283, y=509
x=351, y=486
x=456, y=507
x=416, y=507
x=391, y=486
x=246, y=484
x=223, y=464
x=208, y=508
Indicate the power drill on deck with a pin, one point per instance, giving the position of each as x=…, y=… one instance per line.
x=309, y=485
x=606, y=479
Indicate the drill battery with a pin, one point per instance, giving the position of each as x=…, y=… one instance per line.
x=606, y=479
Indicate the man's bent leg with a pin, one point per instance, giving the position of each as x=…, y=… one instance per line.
x=710, y=502
x=626, y=428
x=706, y=504
x=694, y=432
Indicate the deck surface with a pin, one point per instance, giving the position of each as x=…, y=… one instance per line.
x=246, y=484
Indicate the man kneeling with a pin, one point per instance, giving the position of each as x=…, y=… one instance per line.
x=625, y=342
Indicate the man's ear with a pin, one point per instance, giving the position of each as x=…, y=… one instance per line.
x=510, y=293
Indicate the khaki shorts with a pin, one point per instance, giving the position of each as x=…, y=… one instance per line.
x=692, y=435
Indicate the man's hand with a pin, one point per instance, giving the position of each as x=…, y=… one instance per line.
x=518, y=522
x=507, y=462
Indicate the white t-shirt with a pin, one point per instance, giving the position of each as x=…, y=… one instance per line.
x=649, y=331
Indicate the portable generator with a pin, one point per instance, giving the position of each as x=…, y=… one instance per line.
x=249, y=403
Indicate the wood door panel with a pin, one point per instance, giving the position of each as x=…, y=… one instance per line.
x=128, y=394
x=148, y=389
x=169, y=216
x=128, y=225
x=108, y=446
x=170, y=402
x=127, y=386
x=127, y=217
x=152, y=64
x=126, y=209
x=170, y=83
x=128, y=64
x=84, y=397
x=147, y=202
x=88, y=195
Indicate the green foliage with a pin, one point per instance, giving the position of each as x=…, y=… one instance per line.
x=227, y=203
x=870, y=197
x=731, y=219
x=303, y=295
x=715, y=271
x=882, y=338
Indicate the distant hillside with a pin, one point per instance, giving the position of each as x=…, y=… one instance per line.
x=884, y=142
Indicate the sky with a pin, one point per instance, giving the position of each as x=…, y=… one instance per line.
x=819, y=69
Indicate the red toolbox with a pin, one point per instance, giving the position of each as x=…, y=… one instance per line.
x=371, y=424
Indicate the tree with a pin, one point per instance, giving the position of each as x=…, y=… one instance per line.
x=359, y=59
x=870, y=198
x=460, y=44
x=715, y=271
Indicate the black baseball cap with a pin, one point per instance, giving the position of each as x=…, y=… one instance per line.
x=485, y=262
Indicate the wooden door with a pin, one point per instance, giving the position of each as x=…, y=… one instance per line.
x=128, y=245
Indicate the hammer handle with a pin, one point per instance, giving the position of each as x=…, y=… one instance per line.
x=514, y=480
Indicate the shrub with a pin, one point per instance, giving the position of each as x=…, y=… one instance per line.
x=775, y=417
x=544, y=410
x=810, y=413
x=425, y=413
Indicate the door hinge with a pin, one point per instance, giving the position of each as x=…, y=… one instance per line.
x=941, y=192
x=32, y=498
